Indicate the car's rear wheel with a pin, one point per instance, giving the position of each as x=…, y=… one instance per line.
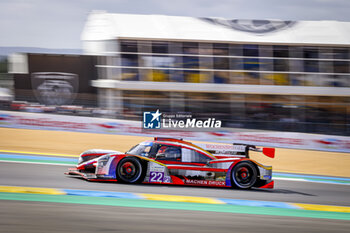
x=244, y=175
x=129, y=170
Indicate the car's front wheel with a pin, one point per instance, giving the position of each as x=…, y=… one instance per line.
x=129, y=170
x=244, y=175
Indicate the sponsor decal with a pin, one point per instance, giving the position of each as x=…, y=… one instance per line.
x=157, y=174
x=154, y=167
x=223, y=147
x=270, y=139
x=206, y=182
x=266, y=177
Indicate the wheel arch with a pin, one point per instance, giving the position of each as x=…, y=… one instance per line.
x=143, y=164
x=229, y=178
x=93, y=153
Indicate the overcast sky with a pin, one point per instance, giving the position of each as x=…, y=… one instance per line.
x=59, y=23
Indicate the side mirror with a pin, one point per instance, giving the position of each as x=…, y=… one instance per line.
x=160, y=156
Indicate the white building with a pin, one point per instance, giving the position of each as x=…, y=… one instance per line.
x=263, y=74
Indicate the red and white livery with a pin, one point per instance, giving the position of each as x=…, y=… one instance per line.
x=175, y=161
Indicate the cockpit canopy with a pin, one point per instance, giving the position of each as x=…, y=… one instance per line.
x=168, y=151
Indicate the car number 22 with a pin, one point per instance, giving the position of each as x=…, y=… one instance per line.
x=156, y=176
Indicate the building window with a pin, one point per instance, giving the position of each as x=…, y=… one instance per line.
x=251, y=64
x=130, y=60
x=281, y=65
x=221, y=63
x=341, y=53
x=236, y=50
x=220, y=49
x=128, y=46
x=341, y=67
x=190, y=48
x=234, y=63
x=310, y=52
x=160, y=47
x=205, y=49
x=175, y=48
x=221, y=77
x=280, y=51
x=311, y=66
x=250, y=50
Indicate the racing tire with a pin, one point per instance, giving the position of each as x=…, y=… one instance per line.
x=244, y=175
x=130, y=170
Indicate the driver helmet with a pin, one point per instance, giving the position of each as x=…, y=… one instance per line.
x=162, y=150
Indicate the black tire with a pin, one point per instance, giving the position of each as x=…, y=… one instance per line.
x=244, y=175
x=129, y=170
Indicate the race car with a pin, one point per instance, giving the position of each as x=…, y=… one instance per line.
x=179, y=162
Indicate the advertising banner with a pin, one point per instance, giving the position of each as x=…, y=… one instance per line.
x=123, y=127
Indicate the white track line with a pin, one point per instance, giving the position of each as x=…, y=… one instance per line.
x=55, y=164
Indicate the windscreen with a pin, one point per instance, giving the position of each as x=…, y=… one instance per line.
x=141, y=149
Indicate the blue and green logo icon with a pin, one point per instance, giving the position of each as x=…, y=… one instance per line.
x=151, y=120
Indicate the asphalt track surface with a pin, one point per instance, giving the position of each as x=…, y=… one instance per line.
x=19, y=216
x=52, y=217
x=51, y=176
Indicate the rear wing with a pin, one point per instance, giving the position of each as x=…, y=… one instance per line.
x=236, y=150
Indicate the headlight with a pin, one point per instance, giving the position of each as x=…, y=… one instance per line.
x=103, y=160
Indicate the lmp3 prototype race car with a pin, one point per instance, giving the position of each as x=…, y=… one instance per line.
x=175, y=161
